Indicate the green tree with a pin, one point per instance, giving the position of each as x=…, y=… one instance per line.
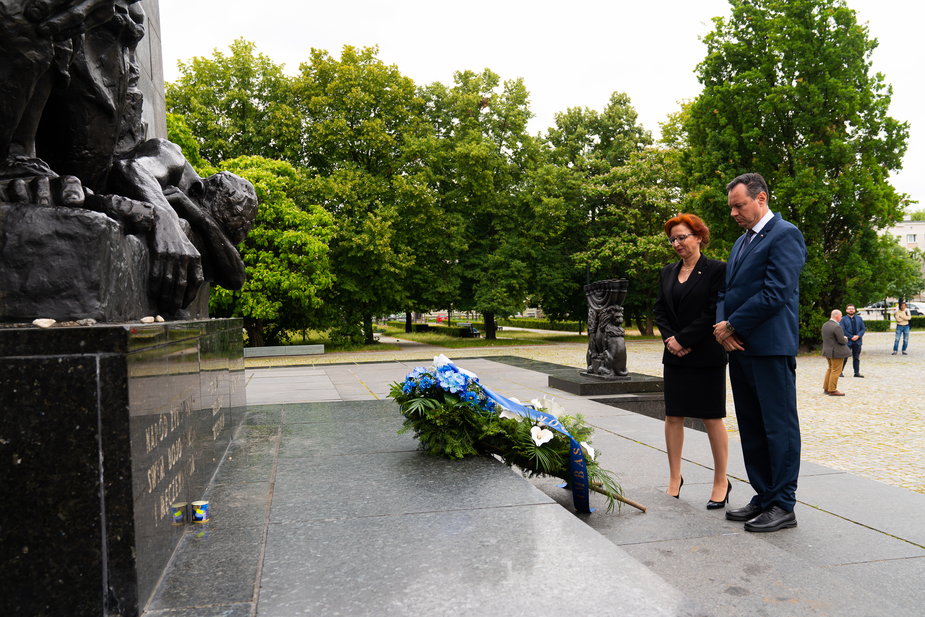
x=480, y=164
x=238, y=104
x=179, y=132
x=918, y=215
x=573, y=188
x=628, y=238
x=285, y=255
x=891, y=271
x=788, y=92
x=363, y=125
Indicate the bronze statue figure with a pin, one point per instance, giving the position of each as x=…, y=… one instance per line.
x=606, y=356
x=71, y=135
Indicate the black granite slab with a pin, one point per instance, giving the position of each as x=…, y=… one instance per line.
x=575, y=383
x=102, y=429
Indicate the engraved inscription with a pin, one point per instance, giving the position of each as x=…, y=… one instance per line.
x=156, y=473
x=218, y=427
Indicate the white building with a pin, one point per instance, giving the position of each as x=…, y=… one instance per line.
x=910, y=235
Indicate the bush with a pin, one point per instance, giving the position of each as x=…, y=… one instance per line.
x=543, y=324
x=877, y=325
x=415, y=327
x=917, y=322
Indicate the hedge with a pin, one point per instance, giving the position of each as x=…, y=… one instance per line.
x=452, y=330
x=882, y=325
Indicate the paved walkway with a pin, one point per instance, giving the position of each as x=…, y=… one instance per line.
x=877, y=430
x=320, y=508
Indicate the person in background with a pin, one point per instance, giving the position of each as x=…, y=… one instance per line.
x=902, y=317
x=854, y=328
x=835, y=349
x=694, y=363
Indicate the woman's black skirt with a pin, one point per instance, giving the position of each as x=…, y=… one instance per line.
x=695, y=392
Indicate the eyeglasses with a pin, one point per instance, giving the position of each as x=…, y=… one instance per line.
x=680, y=238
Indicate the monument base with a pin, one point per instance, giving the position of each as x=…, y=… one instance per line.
x=104, y=428
x=70, y=264
x=575, y=382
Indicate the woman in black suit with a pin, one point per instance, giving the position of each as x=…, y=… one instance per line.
x=695, y=364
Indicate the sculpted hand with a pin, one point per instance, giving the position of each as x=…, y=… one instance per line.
x=43, y=191
x=176, y=268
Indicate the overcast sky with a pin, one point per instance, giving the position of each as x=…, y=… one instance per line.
x=570, y=54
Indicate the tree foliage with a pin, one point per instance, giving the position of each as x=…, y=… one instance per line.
x=285, y=255
x=480, y=161
x=789, y=93
x=363, y=123
x=628, y=238
x=237, y=104
x=574, y=188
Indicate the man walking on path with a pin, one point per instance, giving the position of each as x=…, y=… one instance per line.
x=757, y=323
x=835, y=349
x=853, y=326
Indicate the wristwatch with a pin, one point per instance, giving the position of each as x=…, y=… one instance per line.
x=729, y=328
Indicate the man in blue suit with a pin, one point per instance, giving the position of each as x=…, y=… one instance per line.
x=854, y=327
x=758, y=323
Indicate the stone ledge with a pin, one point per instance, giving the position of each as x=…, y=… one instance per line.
x=283, y=350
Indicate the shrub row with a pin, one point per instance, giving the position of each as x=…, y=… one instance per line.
x=453, y=330
x=882, y=325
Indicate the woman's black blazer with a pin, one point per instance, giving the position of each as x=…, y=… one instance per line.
x=691, y=323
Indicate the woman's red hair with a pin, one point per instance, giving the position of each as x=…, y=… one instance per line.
x=694, y=222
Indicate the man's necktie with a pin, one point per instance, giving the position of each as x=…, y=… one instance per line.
x=748, y=239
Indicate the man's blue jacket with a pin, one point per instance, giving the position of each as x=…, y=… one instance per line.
x=853, y=325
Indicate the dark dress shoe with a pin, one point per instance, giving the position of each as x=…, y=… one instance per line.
x=772, y=520
x=745, y=513
x=859, y=375
x=836, y=393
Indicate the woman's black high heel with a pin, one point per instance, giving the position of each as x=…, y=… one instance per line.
x=678, y=496
x=716, y=505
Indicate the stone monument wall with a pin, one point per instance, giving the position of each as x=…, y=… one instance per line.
x=102, y=429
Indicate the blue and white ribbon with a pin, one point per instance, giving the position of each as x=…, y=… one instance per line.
x=578, y=469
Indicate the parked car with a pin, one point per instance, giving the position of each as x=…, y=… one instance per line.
x=876, y=306
x=915, y=309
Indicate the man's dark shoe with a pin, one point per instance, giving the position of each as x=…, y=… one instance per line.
x=772, y=520
x=859, y=375
x=745, y=513
x=841, y=374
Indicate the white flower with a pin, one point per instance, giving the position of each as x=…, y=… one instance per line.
x=588, y=450
x=441, y=360
x=516, y=400
x=552, y=407
x=510, y=415
x=540, y=435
